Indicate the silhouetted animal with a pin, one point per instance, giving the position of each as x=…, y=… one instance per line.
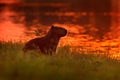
x=48, y=43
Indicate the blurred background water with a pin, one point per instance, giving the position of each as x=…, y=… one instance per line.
x=91, y=23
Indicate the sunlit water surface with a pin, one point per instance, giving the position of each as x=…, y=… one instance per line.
x=13, y=28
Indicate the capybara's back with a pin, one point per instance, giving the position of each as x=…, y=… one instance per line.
x=48, y=43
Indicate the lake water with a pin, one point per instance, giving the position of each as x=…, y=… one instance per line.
x=91, y=31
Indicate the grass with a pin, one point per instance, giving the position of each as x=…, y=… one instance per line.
x=65, y=65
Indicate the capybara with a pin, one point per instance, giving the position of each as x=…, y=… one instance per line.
x=48, y=43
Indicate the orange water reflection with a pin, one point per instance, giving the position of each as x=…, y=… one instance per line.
x=9, y=1
x=76, y=36
x=10, y=31
x=83, y=42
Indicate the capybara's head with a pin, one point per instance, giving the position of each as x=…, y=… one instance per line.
x=58, y=31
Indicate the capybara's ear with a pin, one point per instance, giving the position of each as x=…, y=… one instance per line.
x=52, y=26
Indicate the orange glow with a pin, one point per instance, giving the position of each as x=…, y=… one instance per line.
x=9, y=1
x=47, y=4
x=85, y=43
x=10, y=31
x=76, y=37
x=66, y=14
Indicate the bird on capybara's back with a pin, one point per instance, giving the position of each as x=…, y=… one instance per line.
x=48, y=43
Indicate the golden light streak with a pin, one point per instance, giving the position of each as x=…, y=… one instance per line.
x=9, y=1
